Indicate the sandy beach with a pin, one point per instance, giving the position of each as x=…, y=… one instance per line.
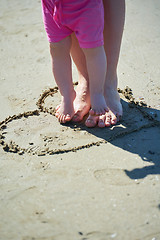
x=69, y=182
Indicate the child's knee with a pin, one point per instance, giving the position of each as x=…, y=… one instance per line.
x=55, y=46
x=93, y=52
x=63, y=45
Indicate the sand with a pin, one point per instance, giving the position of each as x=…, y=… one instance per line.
x=67, y=182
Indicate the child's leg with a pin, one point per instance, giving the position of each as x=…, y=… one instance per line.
x=96, y=66
x=82, y=100
x=61, y=66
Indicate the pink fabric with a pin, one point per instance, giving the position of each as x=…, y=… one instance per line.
x=84, y=17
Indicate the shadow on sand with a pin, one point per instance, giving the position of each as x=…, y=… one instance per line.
x=138, y=133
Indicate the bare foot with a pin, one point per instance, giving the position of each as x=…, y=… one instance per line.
x=97, y=114
x=65, y=111
x=81, y=102
x=112, y=116
x=91, y=121
x=98, y=105
x=114, y=106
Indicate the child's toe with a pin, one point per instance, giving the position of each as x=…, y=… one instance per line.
x=92, y=112
x=67, y=118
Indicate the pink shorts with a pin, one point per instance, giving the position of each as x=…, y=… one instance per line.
x=84, y=17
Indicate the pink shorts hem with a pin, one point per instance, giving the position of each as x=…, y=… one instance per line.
x=57, y=39
x=91, y=44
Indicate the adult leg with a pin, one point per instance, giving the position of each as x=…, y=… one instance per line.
x=113, y=30
x=61, y=66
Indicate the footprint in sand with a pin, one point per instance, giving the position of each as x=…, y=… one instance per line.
x=106, y=176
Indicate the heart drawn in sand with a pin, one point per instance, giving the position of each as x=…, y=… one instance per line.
x=39, y=133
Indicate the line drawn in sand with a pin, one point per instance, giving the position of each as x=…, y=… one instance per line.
x=34, y=135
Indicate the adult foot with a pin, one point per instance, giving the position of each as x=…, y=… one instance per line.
x=65, y=111
x=81, y=102
x=115, y=107
x=91, y=121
